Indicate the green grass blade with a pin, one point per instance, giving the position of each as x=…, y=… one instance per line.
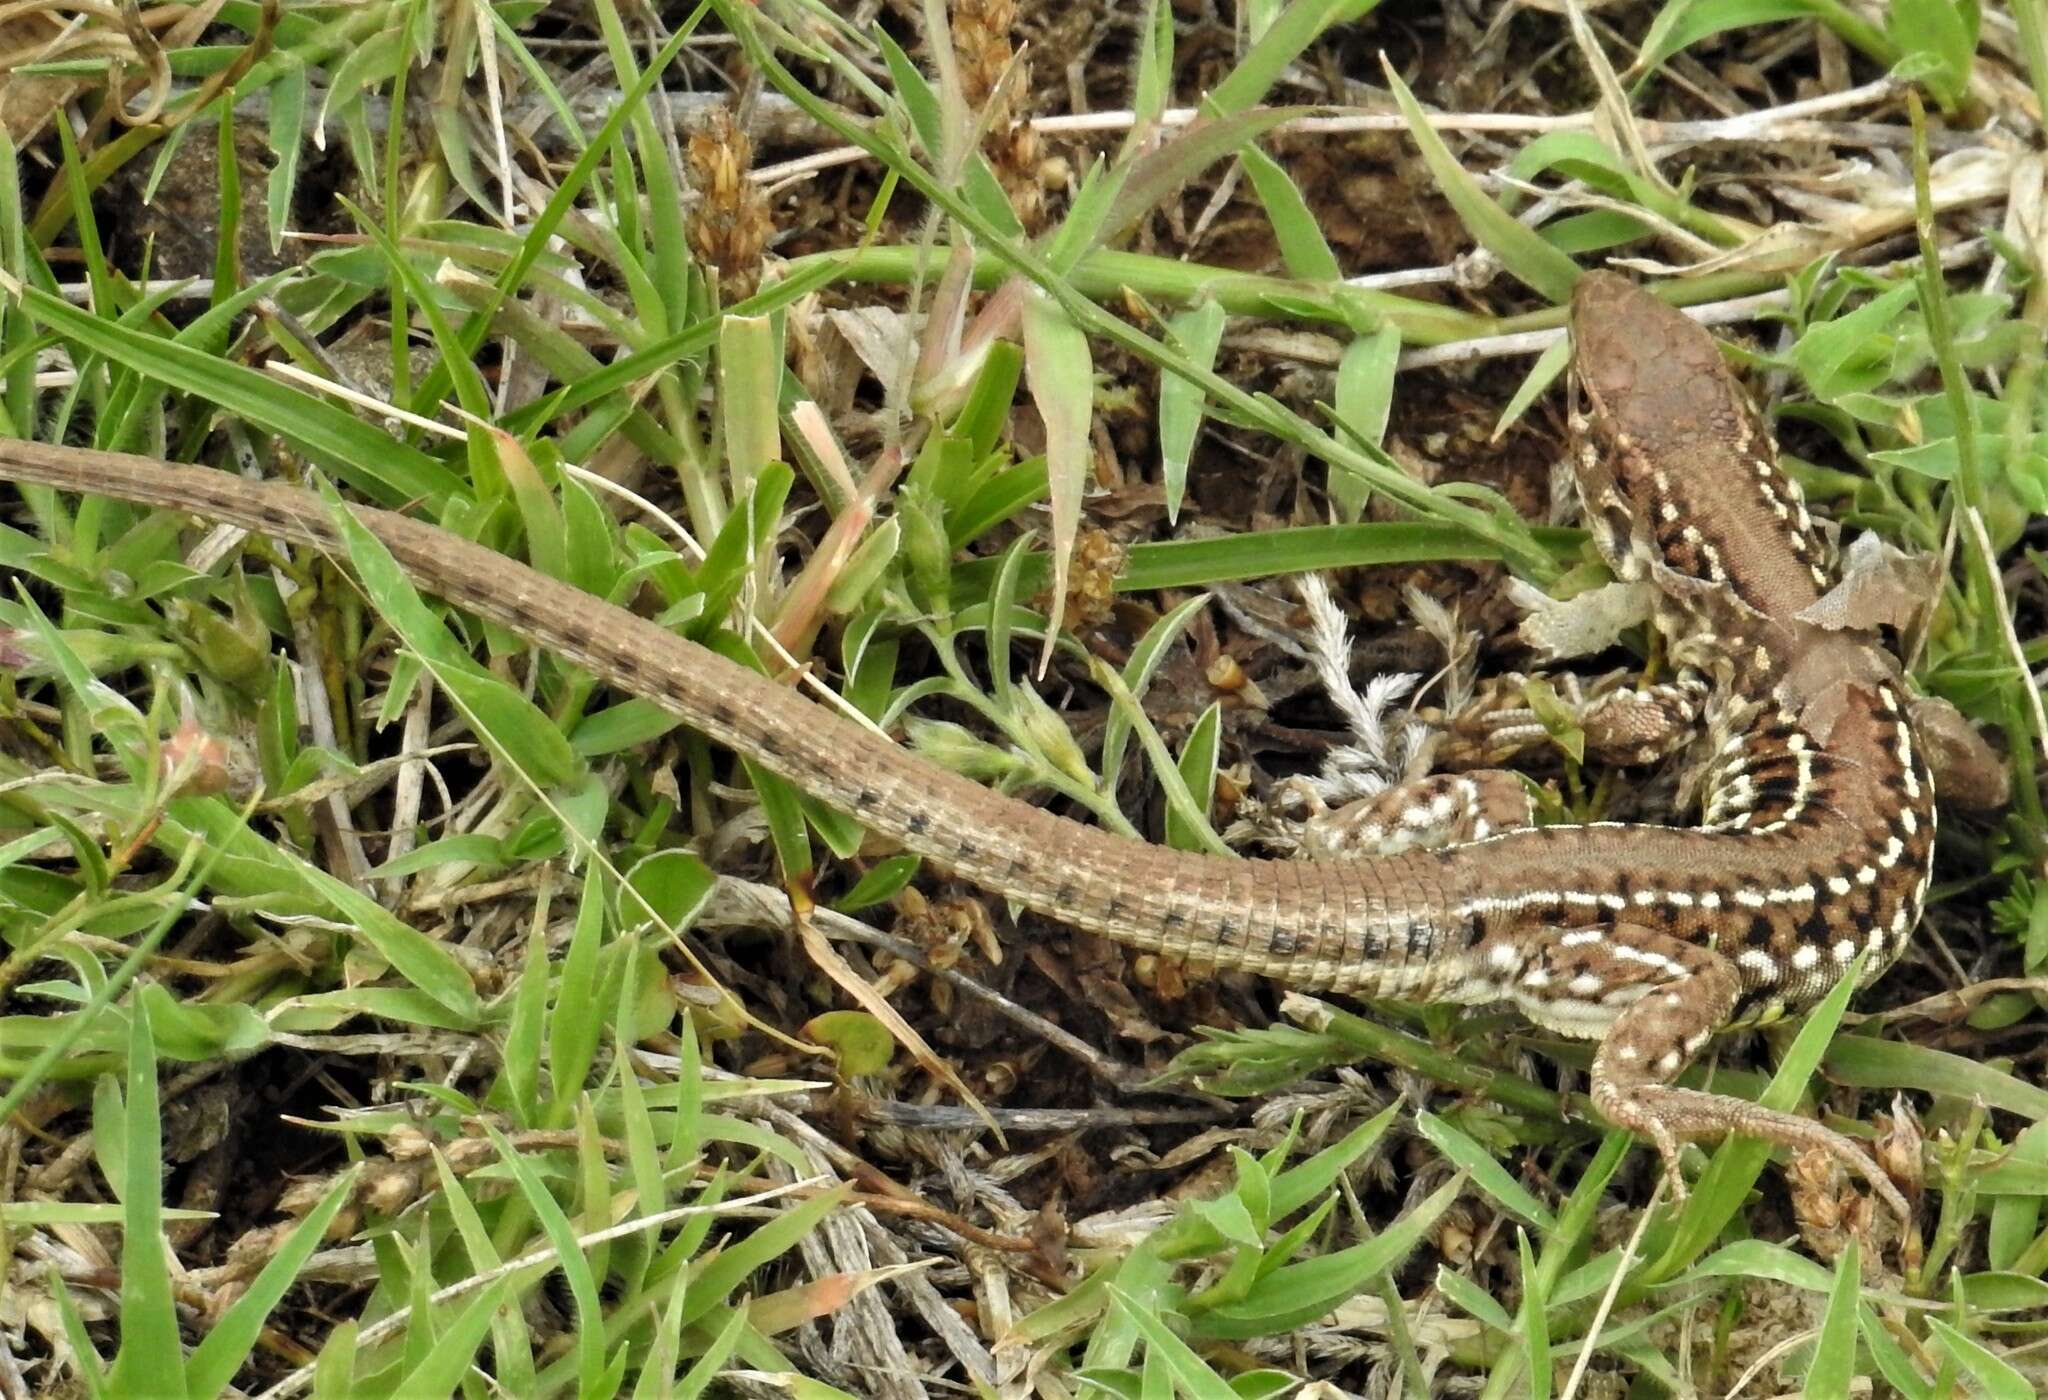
x=1535, y=1322
x=720, y=1278
x=1197, y=331
x=1300, y=1293
x=1198, y=770
x=1059, y=369
x=1521, y=250
x=1834, y=1354
x=573, y=1033
x=1192, y=1377
x=447, y=1362
x=1485, y=1170
x=366, y=457
x=1996, y=1378
x=1866, y=1062
x=1364, y=399
x=1303, y=249
x=576, y=1271
x=151, y=1360
x=216, y=1359
x=1298, y=26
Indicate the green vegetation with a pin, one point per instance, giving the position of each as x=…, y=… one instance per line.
x=302, y=875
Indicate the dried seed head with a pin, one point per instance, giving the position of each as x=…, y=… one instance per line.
x=981, y=33
x=1815, y=1178
x=1091, y=580
x=388, y=1190
x=729, y=227
x=991, y=77
x=1902, y=1148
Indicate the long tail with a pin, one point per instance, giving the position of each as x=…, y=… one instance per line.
x=1344, y=925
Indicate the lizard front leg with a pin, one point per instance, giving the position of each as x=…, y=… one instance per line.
x=1653, y=1001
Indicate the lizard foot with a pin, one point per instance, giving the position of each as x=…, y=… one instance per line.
x=1669, y=1116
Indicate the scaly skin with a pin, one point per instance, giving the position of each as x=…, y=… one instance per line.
x=1819, y=825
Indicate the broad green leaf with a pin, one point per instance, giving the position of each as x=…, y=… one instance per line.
x=1997, y=1378
x=1834, y=1354
x=1197, y=331
x=879, y=885
x=1303, y=249
x=1485, y=1170
x=672, y=885
x=1855, y=351
x=1939, y=40
x=1061, y=374
x=1301, y=1293
x=862, y=1043
x=196, y=1031
x=749, y=388
x=1364, y=399
x=2015, y=1219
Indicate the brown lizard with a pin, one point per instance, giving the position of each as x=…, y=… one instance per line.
x=1819, y=823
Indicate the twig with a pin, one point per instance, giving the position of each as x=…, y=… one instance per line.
x=1794, y=121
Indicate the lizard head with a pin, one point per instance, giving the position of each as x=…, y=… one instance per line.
x=1672, y=460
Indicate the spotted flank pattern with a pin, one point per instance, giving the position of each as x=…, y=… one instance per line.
x=1822, y=886
x=1786, y=502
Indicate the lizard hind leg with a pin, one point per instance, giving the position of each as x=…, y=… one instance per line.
x=1622, y=722
x=1661, y=998
x=1422, y=814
